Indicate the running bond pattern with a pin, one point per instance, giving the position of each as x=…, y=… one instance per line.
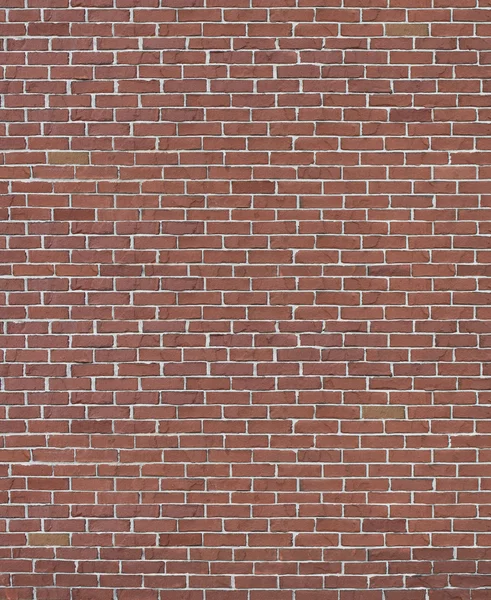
x=246, y=319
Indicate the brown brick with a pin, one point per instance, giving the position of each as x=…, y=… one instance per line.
x=49, y=539
x=406, y=29
x=68, y=158
x=383, y=412
x=253, y=187
x=410, y=115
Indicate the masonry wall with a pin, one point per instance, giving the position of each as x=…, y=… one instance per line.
x=245, y=258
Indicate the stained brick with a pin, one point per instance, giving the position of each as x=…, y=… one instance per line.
x=383, y=412
x=68, y=158
x=49, y=539
x=407, y=29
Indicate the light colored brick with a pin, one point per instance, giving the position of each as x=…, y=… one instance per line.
x=68, y=158
x=383, y=412
x=49, y=539
x=407, y=29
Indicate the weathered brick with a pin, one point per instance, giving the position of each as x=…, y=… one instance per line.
x=68, y=158
x=407, y=29
x=49, y=539
x=245, y=341
x=383, y=412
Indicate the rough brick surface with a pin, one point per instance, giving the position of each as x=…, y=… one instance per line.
x=245, y=337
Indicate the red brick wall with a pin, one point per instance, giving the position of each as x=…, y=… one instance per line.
x=245, y=259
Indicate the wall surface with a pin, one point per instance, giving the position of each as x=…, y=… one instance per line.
x=246, y=300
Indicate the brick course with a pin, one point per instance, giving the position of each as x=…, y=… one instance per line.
x=245, y=333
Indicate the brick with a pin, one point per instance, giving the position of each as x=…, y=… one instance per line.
x=410, y=115
x=407, y=29
x=383, y=412
x=68, y=158
x=49, y=539
x=245, y=339
x=253, y=187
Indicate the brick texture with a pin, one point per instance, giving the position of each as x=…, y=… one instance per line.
x=245, y=335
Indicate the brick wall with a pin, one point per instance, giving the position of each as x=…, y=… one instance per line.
x=245, y=256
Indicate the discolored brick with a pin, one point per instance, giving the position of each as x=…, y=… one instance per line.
x=407, y=29
x=68, y=158
x=49, y=539
x=383, y=412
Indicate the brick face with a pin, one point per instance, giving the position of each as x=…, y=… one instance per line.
x=68, y=158
x=245, y=334
x=49, y=539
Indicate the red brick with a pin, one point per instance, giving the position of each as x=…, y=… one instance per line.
x=245, y=342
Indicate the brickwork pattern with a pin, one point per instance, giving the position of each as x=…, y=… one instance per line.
x=245, y=329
